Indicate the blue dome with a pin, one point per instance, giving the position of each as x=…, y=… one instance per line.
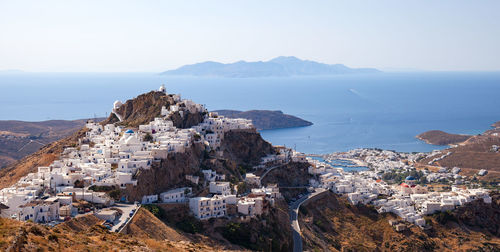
x=129, y=131
x=410, y=178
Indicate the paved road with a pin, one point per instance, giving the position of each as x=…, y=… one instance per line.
x=126, y=208
x=294, y=218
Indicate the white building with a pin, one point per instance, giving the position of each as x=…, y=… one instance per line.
x=175, y=195
x=252, y=179
x=148, y=199
x=205, y=208
x=40, y=211
x=222, y=188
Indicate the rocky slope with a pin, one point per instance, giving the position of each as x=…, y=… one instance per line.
x=86, y=234
x=266, y=119
x=330, y=223
x=438, y=137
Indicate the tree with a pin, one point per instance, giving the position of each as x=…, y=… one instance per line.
x=147, y=138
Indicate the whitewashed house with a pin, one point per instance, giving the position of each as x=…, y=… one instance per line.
x=177, y=195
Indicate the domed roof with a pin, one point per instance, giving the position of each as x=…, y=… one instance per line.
x=410, y=178
x=129, y=131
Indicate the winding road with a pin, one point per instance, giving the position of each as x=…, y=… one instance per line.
x=294, y=218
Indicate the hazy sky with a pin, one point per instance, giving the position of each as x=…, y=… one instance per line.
x=120, y=36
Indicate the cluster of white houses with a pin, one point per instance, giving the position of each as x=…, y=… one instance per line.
x=217, y=205
x=408, y=200
x=110, y=155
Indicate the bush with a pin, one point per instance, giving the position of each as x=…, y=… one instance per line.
x=36, y=231
x=147, y=138
x=155, y=210
x=52, y=237
x=115, y=194
x=235, y=233
x=242, y=188
x=190, y=225
x=101, y=188
x=444, y=217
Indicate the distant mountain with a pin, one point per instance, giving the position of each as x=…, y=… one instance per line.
x=278, y=67
x=266, y=119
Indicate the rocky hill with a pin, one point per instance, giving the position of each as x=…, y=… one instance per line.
x=330, y=223
x=438, y=137
x=241, y=148
x=266, y=119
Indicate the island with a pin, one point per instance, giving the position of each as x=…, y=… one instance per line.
x=266, y=119
x=278, y=67
x=438, y=137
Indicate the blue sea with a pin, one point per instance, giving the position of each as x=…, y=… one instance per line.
x=382, y=110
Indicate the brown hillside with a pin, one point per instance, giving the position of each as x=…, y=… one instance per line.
x=85, y=234
x=438, y=137
x=146, y=225
x=330, y=223
x=472, y=155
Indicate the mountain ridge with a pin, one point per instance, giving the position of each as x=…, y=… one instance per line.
x=282, y=66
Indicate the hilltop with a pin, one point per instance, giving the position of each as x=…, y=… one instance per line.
x=278, y=67
x=238, y=151
x=266, y=119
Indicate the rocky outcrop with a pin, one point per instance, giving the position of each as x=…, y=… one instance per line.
x=166, y=173
x=188, y=120
x=293, y=174
x=240, y=148
x=480, y=214
x=245, y=147
x=142, y=109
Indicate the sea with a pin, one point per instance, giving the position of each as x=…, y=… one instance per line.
x=385, y=110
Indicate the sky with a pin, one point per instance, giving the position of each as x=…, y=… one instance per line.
x=154, y=36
